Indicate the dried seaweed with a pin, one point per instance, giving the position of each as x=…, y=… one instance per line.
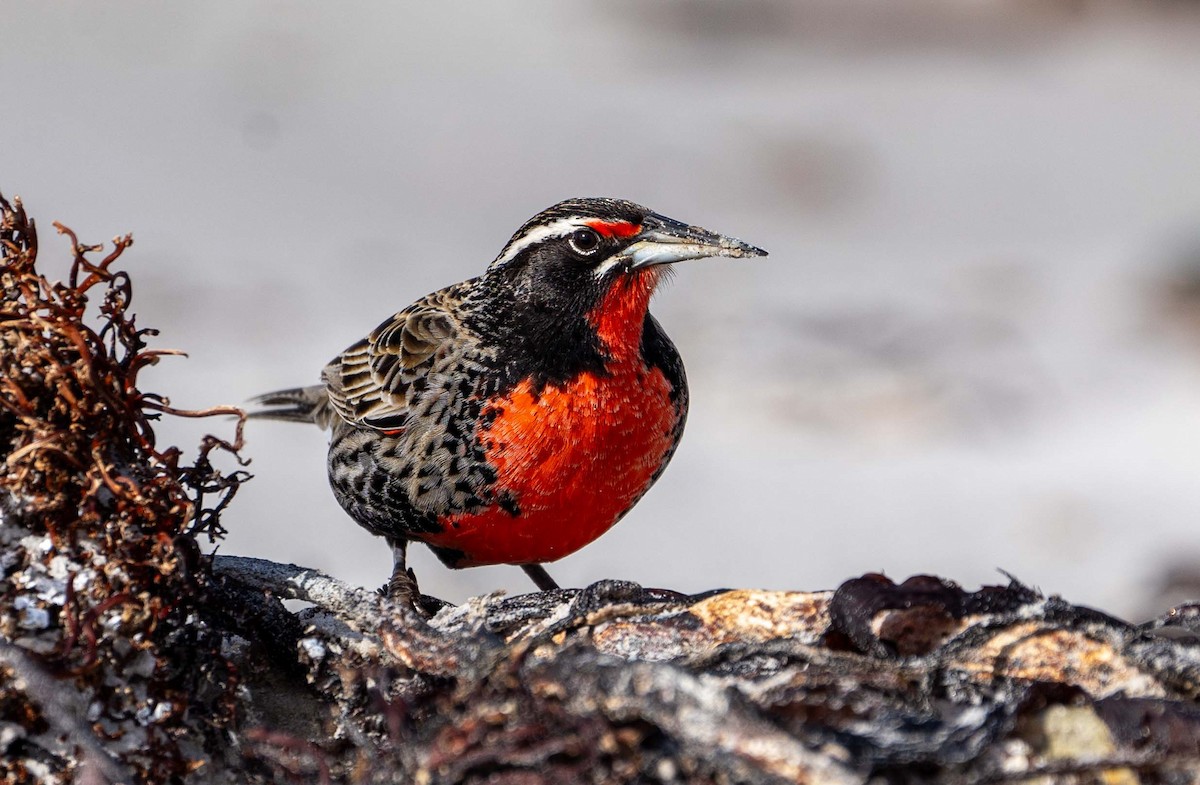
x=100, y=573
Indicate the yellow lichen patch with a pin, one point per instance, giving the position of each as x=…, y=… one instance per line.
x=754, y=615
x=1035, y=652
x=744, y=615
x=1076, y=733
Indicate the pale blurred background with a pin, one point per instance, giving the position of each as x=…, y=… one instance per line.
x=975, y=345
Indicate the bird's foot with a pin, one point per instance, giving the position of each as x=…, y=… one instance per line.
x=402, y=587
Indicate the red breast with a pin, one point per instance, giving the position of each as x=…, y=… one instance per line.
x=576, y=455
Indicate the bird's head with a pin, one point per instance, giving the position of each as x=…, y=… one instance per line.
x=602, y=259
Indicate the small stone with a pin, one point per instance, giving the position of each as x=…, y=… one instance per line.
x=31, y=615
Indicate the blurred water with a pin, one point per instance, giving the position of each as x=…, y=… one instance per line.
x=973, y=346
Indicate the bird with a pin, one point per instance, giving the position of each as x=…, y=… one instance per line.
x=516, y=416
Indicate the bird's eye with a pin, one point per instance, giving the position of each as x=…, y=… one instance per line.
x=584, y=242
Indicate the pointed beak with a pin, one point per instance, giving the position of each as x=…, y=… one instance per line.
x=664, y=240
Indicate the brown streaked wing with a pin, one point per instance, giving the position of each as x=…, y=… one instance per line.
x=368, y=383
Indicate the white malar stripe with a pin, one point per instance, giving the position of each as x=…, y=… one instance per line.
x=602, y=269
x=559, y=228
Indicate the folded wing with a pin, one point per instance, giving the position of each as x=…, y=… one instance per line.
x=372, y=383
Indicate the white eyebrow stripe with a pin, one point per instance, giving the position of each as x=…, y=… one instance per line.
x=559, y=228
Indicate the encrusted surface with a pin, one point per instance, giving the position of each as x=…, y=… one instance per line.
x=613, y=683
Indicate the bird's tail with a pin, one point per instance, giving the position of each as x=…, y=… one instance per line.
x=299, y=404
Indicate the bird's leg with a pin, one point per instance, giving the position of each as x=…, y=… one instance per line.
x=402, y=586
x=537, y=573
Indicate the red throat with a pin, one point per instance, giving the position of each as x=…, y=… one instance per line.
x=621, y=312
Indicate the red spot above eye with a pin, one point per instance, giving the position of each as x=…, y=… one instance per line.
x=615, y=228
